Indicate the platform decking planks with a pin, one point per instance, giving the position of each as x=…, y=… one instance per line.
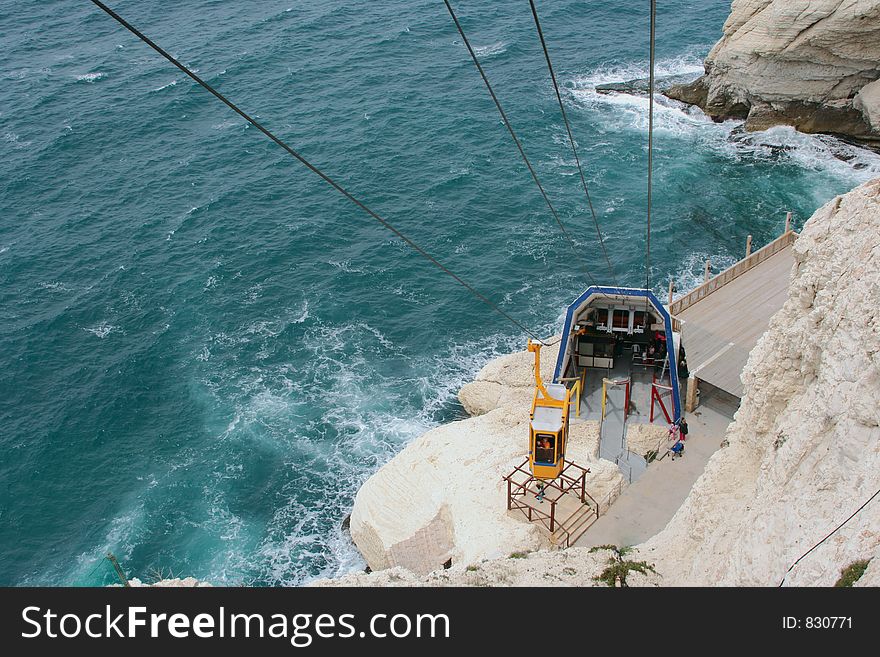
x=720, y=330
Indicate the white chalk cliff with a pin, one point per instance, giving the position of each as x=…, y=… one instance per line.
x=802, y=454
x=804, y=449
x=812, y=64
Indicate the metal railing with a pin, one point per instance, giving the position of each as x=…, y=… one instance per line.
x=697, y=294
x=609, y=497
x=577, y=390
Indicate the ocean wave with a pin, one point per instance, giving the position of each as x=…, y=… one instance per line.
x=120, y=539
x=355, y=404
x=821, y=153
x=15, y=140
x=103, y=329
x=165, y=86
x=89, y=77
x=491, y=50
x=691, y=271
x=681, y=65
x=52, y=286
x=228, y=123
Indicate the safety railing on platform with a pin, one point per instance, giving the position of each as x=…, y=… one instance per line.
x=577, y=390
x=731, y=273
x=608, y=499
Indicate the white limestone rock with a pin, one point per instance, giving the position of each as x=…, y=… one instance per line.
x=443, y=497
x=507, y=380
x=177, y=582
x=794, y=63
x=867, y=101
x=571, y=567
x=804, y=449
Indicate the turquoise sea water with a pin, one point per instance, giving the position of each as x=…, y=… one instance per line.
x=204, y=350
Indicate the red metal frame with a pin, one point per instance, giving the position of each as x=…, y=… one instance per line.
x=655, y=394
x=522, y=488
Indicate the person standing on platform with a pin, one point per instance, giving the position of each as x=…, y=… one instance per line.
x=682, y=428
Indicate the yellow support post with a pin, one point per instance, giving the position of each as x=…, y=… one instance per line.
x=604, y=381
x=535, y=347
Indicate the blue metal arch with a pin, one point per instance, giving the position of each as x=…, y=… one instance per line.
x=626, y=292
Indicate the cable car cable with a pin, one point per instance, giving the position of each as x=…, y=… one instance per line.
x=316, y=170
x=829, y=535
x=650, y=147
x=571, y=141
x=517, y=142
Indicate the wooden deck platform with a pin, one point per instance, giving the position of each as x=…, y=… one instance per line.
x=722, y=320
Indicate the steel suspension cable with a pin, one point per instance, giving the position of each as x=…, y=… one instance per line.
x=828, y=535
x=571, y=140
x=517, y=142
x=316, y=170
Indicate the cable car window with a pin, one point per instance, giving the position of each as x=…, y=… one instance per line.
x=544, y=447
x=604, y=349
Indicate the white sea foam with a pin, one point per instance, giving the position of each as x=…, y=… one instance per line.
x=253, y=294
x=15, y=140
x=102, y=330
x=89, y=77
x=52, y=286
x=227, y=123
x=165, y=86
x=303, y=312
x=491, y=50
x=691, y=271
x=347, y=266
x=821, y=153
x=120, y=539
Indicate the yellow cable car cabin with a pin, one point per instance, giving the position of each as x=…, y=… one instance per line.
x=548, y=426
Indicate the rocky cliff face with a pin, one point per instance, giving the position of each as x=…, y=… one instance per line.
x=812, y=64
x=804, y=449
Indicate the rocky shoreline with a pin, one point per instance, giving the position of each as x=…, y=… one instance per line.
x=813, y=65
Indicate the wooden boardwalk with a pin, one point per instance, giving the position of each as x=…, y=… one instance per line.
x=722, y=320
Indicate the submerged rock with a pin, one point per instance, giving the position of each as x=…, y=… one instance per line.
x=640, y=86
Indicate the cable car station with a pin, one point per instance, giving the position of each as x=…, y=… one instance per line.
x=613, y=367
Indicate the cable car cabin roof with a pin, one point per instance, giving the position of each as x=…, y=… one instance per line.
x=547, y=419
x=608, y=297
